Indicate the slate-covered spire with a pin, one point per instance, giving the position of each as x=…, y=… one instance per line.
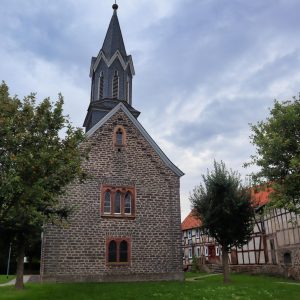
x=111, y=73
x=114, y=40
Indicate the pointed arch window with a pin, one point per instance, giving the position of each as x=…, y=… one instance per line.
x=123, y=251
x=101, y=86
x=115, y=85
x=119, y=136
x=117, y=204
x=107, y=203
x=118, y=250
x=127, y=204
x=112, y=251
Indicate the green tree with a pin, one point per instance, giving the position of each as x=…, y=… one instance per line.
x=39, y=155
x=224, y=207
x=277, y=142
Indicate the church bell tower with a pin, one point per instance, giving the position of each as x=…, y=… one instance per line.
x=111, y=74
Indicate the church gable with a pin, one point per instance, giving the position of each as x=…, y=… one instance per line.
x=142, y=137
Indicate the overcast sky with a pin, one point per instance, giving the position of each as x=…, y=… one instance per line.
x=205, y=69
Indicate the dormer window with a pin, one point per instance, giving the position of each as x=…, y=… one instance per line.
x=115, y=85
x=101, y=86
x=119, y=136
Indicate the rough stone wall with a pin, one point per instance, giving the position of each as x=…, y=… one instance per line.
x=76, y=252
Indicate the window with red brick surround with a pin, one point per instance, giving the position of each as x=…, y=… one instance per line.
x=117, y=202
x=118, y=251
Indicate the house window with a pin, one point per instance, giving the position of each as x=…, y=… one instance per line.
x=190, y=253
x=118, y=251
x=107, y=203
x=118, y=202
x=119, y=136
x=198, y=251
x=101, y=86
x=189, y=234
x=217, y=251
x=115, y=85
x=206, y=251
x=197, y=232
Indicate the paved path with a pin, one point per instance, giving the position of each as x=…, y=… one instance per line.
x=202, y=276
x=295, y=283
x=12, y=282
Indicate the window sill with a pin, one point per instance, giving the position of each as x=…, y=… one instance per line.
x=118, y=216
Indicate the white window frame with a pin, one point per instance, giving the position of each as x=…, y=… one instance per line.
x=190, y=233
x=197, y=233
x=217, y=251
x=198, y=252
x=190, y=253
x=206, y=251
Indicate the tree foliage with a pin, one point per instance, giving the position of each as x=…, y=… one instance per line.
x=277, y=142
x=39, y=156
x=224, y=207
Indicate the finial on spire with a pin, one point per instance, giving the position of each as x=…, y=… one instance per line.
x=115, y=6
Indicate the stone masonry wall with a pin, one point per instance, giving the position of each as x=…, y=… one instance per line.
x=76, y=252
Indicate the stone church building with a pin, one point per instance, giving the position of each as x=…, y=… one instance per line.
x=126, y=219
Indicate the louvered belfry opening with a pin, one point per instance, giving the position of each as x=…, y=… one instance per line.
x=115, y=93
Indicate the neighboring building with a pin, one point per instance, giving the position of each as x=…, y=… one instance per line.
x=196, y=244
x=274, y=247
x=126, y=221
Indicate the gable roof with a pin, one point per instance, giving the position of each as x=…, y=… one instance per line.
x=191, y=221
x=141, y=129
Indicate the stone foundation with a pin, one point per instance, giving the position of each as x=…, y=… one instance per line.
x=116, y=278
x=292, y=272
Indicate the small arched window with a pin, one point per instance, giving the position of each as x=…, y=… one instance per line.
x=107, y=203
x=112, y=251
x=119, y=137
x=127, y=204
x=123, y=251
x=101, y=86
x=115, y=85
x=117, y=203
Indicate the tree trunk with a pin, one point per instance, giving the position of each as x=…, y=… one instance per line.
x=225, y=264
x=20, y=265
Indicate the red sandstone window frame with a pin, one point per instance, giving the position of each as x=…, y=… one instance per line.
x=118, y=241
x=115, y=138
x=113, y=190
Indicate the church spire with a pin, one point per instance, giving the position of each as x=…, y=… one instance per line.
x=114, y=40
x=111, y=73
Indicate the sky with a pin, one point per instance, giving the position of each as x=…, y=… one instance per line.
x=205, y=69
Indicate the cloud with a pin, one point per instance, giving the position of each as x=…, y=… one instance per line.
x=204, y=69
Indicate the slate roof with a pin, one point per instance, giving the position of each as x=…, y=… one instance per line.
x=141, y=129
x=114, y=40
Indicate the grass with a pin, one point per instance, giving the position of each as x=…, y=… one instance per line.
x=243, y=287
x=3, y=278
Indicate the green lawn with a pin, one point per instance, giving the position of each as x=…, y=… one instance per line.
x=243, y=287
x=3, y=278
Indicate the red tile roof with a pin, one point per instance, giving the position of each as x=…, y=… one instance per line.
x=190, y=222
x=259, y=198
